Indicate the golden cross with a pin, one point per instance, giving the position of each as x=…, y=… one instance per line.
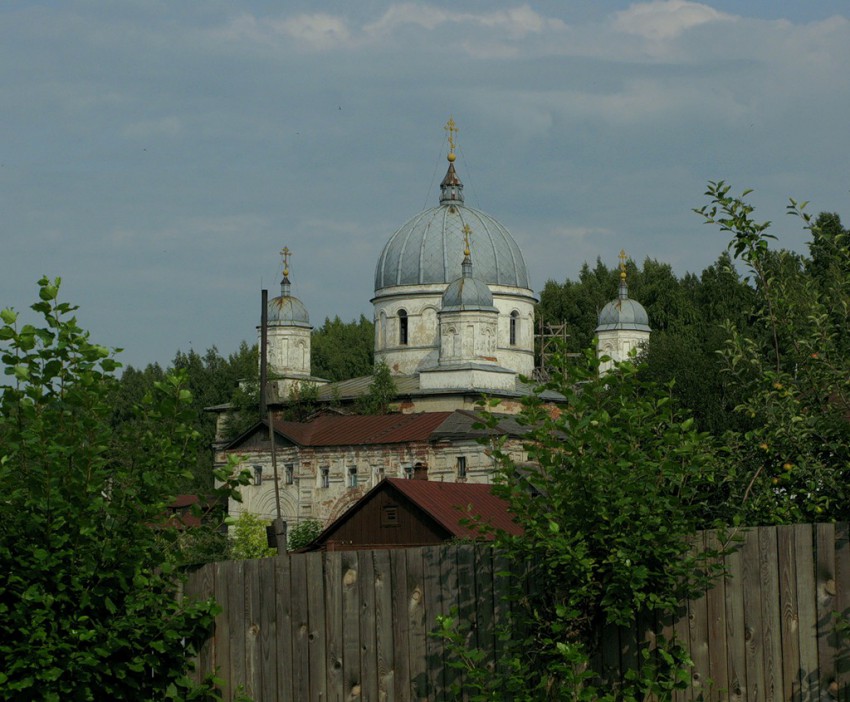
x=466, y=232
x=622, y=263
x=286, y=253
x=452, y=130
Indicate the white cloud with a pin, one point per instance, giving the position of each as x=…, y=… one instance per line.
x=665, y=19
x=326, y=32
x=425, y=16
x=318, y=31
x=515, y=22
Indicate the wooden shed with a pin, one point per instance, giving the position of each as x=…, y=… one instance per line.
x=399, y=512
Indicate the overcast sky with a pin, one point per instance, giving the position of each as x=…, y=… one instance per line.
x=158, y=155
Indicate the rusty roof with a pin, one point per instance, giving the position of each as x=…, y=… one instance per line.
x=455, y=507
x=355, y=430
x=454, y=504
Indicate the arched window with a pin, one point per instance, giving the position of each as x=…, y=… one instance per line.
x=402, y=327
x=513, y=330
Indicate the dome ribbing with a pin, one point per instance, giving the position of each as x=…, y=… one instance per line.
x=426, y=248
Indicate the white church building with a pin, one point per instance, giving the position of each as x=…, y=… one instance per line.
x=454, y=321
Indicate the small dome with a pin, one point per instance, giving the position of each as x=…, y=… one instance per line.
x=623, y=313
x=287, y=311
x=425, y=249
x=468, y=294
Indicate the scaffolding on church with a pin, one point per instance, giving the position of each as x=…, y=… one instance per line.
x=550, y=344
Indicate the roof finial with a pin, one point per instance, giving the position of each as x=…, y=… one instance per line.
x=624, y=290
x=284, y=283
x=286, y=253
x=452, y=131
x=466, y=266
x=451, y=189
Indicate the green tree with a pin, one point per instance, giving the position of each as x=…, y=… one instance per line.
x=303, y=401
x=248, y=537
x=792, y=463
x=303, y=533
x=382, y=391
x=213, y=380
x=87, y=568
x=343, y=350
x=615, y=485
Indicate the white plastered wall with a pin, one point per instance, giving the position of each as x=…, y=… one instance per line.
x=422, y=305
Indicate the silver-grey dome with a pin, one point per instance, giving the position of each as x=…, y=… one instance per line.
x=623, y=313
x=287, y=311
x=467, y=293
x=426, y=249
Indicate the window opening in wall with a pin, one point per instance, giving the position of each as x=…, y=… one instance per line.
x=258, y=475
x=352, y=476
x=380, y=473
x=402, y=327
x=389, y=516
x=461, y=466
x=289, y=472
x=325, y=476
x=408, y=472
x=514, y=322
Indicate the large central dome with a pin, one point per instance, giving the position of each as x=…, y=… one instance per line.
x=427, y=248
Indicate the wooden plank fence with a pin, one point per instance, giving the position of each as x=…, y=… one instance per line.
x=356, y=625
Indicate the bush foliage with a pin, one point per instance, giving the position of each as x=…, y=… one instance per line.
x=88, y=605
x=620, y=478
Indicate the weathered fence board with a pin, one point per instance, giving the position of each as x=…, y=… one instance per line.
x=316, y=634
x=736, y=631
x=770, y=612
x=268, y=632
x=333, y=625
x=750, y=584
x=790, y=618
x=283, y=620
x=825, y=595
x=435, y=649
x=449, y=604
x=359, y=625
x=300, y=630
x=401, y=625
x=368, y=641
x=253, y=664
x=384, y=649
x=807, y=625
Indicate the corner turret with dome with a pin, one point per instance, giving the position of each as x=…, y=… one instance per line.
x=623, y=325
x=419, y=262
x=289, y=334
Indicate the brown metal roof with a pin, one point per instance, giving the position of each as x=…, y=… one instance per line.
x=452, y=507
x=332, y=430
x=453, y=504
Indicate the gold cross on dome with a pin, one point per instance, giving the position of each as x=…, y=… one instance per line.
x=452, y=131
x=622, y=263
x=466, y=232
x=286, y=253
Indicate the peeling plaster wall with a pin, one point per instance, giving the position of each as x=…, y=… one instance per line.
x=306, y=498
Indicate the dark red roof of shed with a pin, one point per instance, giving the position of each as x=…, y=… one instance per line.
x=455, y=507
x=453, y=504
